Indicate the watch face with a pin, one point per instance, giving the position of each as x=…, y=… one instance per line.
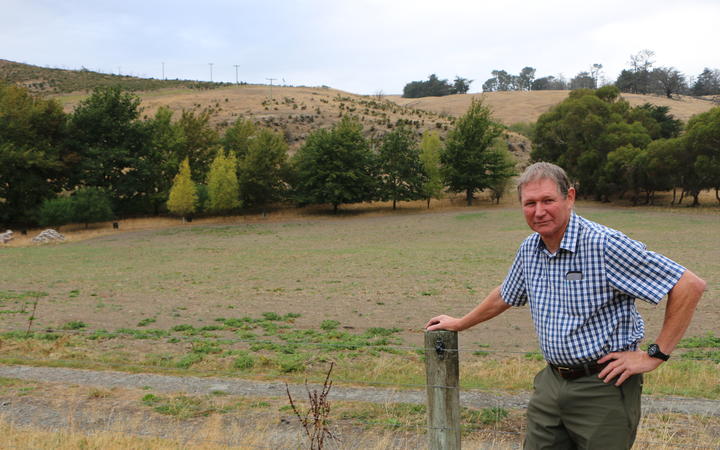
x=654, y=351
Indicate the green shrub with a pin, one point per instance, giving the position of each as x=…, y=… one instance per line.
x=329, y=325
x=290, y=363
x=74, y=325
x=55, y=212
x=244, y=361
x=188, y=360
x=91, y=205
x=146, y=321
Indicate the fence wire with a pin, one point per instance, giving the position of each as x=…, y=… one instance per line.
x=415, y=349
x=480, y=351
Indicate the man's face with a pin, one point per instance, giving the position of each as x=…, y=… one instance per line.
x=546, y=210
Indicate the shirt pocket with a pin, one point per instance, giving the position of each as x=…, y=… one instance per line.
x=579, y=297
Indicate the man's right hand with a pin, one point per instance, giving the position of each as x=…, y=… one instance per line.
x=486, y=310
x=443, y=322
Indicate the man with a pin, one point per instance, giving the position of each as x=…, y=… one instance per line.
x=581, y=280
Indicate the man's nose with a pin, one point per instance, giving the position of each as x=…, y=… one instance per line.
x=539, y=210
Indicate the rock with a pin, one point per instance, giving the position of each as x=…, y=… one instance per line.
x=6, y=236
x=48, y=235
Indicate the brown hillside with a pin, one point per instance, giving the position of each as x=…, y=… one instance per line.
x=513, y=107
x=296, y=111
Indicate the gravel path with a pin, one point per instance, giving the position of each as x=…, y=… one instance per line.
x=198, y=385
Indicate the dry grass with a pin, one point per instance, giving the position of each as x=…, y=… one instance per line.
x=514, y=107
x=667, y=431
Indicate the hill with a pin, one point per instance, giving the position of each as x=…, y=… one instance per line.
x=527, y=106
x=296, y=111
x=44, y=80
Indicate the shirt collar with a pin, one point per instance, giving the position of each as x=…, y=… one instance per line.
x=570, y=238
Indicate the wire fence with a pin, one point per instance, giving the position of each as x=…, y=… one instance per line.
x=196, y=336
x=399, y=349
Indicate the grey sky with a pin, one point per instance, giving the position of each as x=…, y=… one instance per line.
x=358, y=46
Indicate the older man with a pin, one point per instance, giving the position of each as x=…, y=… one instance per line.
x=581, y=280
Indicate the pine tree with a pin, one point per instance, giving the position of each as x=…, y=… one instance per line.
x=183, y=193
x=223, y=190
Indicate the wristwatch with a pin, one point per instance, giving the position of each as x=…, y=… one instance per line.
x=654, y=351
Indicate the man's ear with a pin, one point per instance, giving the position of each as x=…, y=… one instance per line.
x=571, y=194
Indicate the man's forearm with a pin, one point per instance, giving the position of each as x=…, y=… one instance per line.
x=681, y=303
x=490, y=307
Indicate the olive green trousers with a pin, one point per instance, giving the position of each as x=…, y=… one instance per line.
x=584, y=413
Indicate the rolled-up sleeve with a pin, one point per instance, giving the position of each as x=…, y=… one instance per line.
x=633, y=269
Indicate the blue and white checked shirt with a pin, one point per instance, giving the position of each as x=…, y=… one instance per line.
x=585, y=315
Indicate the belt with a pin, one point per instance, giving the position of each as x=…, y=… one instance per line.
x=571, y=373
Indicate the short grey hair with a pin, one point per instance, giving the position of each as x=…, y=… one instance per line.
x=544, y=170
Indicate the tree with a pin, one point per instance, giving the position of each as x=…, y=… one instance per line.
x=596, y=73
x=237, y=138
x=335, y=166
x=641, y=64
x=467, y=163
x=111, y=141
x=222, y=185
x=578, y=134
x=505, y=163
x=623, y=171
x=263, y=168
x=625, y=81
x=401, y=175
x=657, y=120
x=707, y=83
x=183, y=198
x=525, y=78
x=90, y=205
x=55, y=212
x=501, y=81
x=668, y=81
x=549, y=83
x=703, y=151
x=162, y=158
x=430, y=147
x=34, y=162
x=663, y=166
x=461, y=85
x=433, y=87
x=198, y=142
x=583, y=80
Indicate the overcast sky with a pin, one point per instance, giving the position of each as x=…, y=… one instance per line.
x=357, y=46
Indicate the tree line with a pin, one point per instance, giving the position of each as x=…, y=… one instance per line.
x=640, y=77
x=612, y=149
x=436, y=87
x=104, y=161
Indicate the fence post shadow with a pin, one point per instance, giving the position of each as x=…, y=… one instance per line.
x=443, y=394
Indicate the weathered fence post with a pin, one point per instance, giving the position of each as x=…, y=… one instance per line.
x=443, y=374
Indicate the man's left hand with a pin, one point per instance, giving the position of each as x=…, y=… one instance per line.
x=626, y=364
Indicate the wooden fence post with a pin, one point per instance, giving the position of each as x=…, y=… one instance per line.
x=443, y=393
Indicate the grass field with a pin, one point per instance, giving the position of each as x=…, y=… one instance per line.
x=281, y=297
x=286, y=297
